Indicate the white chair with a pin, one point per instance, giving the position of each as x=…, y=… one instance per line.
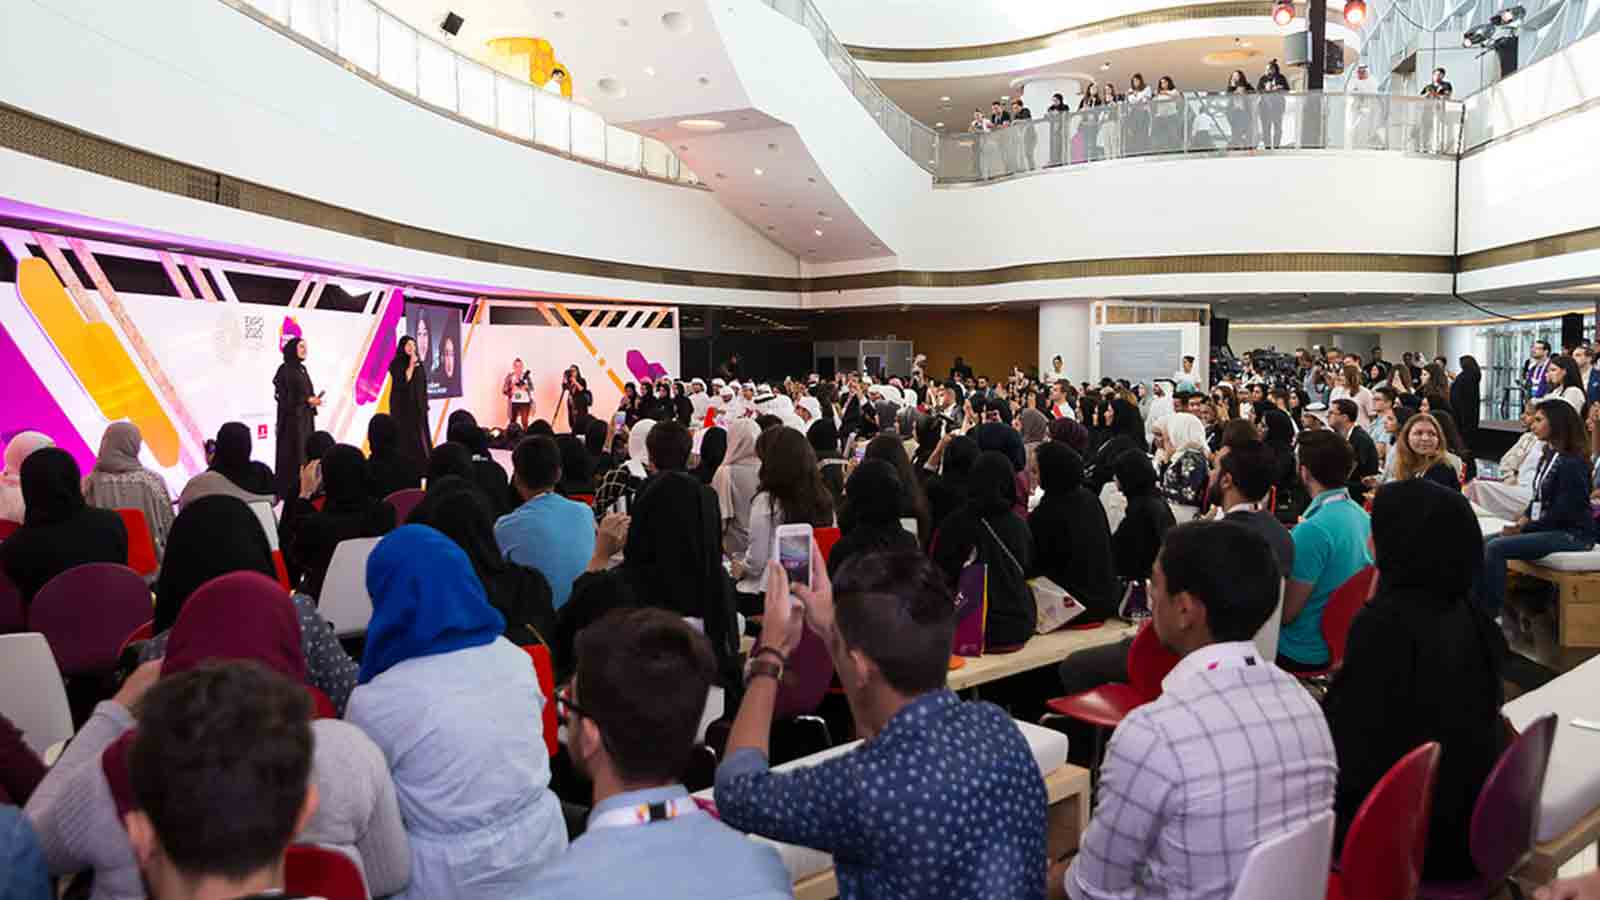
x=909, y=525
x=269, y=521
x=32, y=694
x=1266, y=639
x=1291, y=866
x=344, y=601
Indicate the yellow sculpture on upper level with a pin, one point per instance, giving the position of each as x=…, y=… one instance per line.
x=535, y=58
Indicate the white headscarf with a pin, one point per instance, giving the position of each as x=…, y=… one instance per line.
x=638, y=450
x=20, y=448
x=742, y=436
x=1185, y=431
x=812, y=406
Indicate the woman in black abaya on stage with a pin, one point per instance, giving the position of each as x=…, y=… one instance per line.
x=297, y=411
x=408, y=403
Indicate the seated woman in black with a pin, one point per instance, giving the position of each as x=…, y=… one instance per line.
x=824, y=439
x=1138, y=538
x=487, y=474
x=60, y=529
x=987, y=529
x=1423, y=663
x=458, y=509
x=870, y=520
x=1123, y=429
x=1071, y=537
x=390, y=471
x=913, y=500
x=947, y=491
x=309, y=536
x=577, y=471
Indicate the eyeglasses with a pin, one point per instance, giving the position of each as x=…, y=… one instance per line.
x=565, y=705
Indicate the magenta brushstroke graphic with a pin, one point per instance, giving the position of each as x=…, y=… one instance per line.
x=375, y=368
x=29, y=407
x=289, y=329
x=642, y=369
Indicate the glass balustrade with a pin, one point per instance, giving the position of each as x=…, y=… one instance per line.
x=367, y=39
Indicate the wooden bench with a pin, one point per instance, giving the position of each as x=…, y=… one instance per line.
x=1041, y=650
x=1066, y=792
x=1577, y=611
x=1550, y=856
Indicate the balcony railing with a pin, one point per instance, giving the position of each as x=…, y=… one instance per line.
x=365, y=38
x=1204, y=123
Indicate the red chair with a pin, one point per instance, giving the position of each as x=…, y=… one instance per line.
x=1505, y=819
x=311, y=871
x=143, y=633
x=1382, y=856
x=826, y=538
x=1339, y=612
x=322, y=707
x=545, y=669
x=12, y=616
x=8, y=528
x=404, y=501
x=86, y=612
x=585, y=499
x=282, y=570
x=141, y=543
x=1107, y=705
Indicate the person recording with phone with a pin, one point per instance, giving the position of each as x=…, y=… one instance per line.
x=790, y=492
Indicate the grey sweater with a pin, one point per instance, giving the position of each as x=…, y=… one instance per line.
x=78, y=828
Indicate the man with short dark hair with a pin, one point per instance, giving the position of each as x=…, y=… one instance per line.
x=1330, y=547
x=1244, y=479
x=221, y=775
x=1383, y=400
x=547, y=532
x=1233, y=753
x=1534, y=369
x=943, y=798
x=1342, y=414
x=631, y=713
x=669, y=446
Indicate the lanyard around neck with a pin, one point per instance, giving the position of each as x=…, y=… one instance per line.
x=645, y=813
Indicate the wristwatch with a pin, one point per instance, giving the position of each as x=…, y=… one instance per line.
x=758, y=668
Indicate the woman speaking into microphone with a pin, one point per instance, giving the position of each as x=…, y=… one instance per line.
x=408, y=403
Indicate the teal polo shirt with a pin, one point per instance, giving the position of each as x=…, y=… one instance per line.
x=1330, y=546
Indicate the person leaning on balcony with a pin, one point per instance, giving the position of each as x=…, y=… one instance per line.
x=1272, y=82
x=1239, y=110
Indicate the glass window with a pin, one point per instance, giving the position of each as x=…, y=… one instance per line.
x=358, y=33
x=315, y=19
x=397, y=53
x=623, y=150
x=552, y=120
x=277, y=9
x=588, y=134
x=477, y=91
x=436, y=74
x=514, y=107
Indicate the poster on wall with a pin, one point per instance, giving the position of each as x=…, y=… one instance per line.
x=437, y=329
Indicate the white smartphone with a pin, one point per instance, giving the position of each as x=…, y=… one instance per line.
x=794, y=552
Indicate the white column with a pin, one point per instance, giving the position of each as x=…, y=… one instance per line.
x=1064, y=332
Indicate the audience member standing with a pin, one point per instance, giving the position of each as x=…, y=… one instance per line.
x=1421, y=638
x=59, y=530
x=1466, y=395
x=1330, y=547
x=232, y=471
x=1273, y=85
x=632, y=712
x=944, y=799
x=1233, y=741
x=119, y=481
x=736, y=482
x=455, y=709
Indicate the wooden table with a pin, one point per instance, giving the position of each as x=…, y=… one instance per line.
x=1550, y=856
x=1577, y=610
x=1066, y=819
x=1041, y=650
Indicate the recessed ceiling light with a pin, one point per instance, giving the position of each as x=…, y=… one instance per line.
x=1105, y=66
x=1005, y=96
x=771, y=227
x=720, y=175
x=650, y=70
x=827, y=218
x=760, y=171
x=702, y=125
x=773, y=147
x=683, y=148
x=763, y=204
x=938, y=124
x=704, y=80
x=811, y=179
x=557, y=14
x=817, y=232
x=813, y=250
x=622, y=23
x=944, y=99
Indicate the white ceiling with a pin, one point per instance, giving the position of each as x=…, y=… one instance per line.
x=1398, y=310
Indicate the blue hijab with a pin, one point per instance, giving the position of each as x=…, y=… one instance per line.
x=426, y=599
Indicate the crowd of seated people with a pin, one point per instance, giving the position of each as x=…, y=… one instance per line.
x=1208, y=510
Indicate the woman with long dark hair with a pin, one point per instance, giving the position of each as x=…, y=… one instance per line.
x=823, y=436
x=713, y=447
x=1123, y=428
x=790, y=492
x=297, y=403
x=1558, y=519
x=913, y=500
x=1565, y=382
x=989, y=525
x=408, y=403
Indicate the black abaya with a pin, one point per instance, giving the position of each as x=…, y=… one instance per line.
x=408, y=407
x=292, y=388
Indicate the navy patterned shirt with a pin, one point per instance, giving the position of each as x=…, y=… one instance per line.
x=946, y=801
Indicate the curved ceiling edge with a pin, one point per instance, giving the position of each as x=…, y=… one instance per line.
x=1218, y=10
